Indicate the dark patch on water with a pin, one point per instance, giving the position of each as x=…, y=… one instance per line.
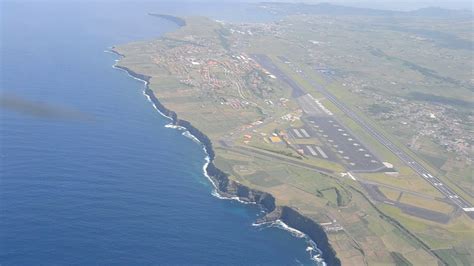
x=121, y=190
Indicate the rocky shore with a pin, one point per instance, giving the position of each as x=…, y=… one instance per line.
x=229, y=188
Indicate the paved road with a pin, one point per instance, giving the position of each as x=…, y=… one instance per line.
x=406, y=158
x=427, y=214
x=253, y=152
x=405, y=191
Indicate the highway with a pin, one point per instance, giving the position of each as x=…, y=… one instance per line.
x=404, y=157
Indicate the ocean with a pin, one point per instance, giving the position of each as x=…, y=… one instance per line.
x=89, y=174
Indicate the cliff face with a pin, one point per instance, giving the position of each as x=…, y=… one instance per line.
x=231, y=188
x=312, y=229
x=132, y=73
x=225, y=186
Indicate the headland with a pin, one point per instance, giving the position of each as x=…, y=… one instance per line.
x=275, y=136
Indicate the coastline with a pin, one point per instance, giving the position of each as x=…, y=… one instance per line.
x=226, y=188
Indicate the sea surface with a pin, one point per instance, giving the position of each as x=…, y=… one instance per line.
x=89, y=174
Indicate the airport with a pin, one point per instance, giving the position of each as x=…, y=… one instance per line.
x=355, y=155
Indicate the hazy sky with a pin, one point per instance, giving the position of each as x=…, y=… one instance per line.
x=405, y=4
x=378, y=4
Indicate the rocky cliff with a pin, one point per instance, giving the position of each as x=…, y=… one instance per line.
x=227, y=187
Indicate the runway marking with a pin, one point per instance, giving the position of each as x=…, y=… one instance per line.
x=297, y=133
x=351, y=176
x=321, y=152
x=311, y=150
x=304, y=132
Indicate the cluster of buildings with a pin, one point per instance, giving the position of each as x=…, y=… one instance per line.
x=232, y=80
x=439, y=122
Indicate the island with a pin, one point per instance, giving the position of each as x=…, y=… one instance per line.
x=293, y=116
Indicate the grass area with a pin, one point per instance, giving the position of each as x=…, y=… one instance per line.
x=459, y=256
x=457, y=233
x=430, y=204
x=390, y=193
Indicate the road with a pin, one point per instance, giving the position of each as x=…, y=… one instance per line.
x=423, y=213
x=268, y=155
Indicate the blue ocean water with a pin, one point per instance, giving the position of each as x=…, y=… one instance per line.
x=97, y=178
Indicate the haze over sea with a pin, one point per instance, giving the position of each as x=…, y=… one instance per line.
x=94, y=177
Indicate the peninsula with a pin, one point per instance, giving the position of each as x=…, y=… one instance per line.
x=273, y=105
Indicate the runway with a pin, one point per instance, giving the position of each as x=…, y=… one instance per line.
x=402, y=155
x=313, y=108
